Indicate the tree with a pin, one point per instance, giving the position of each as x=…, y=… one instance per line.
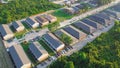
x=66, y=39
x=18, y=9
x=82, y=56
x=69, y=65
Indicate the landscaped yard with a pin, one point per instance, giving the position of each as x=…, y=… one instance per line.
x=19, y=35
x=48, y=49
x=61, y=15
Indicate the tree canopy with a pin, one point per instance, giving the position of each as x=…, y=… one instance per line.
x=18, y=9
x=69, y=65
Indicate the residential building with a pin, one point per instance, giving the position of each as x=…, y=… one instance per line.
x=5, y=32
x=18, y=26
x=53, y=42
x=79, y=6
x=100, y=20
x=104, y=15
x=19, y=57
x=50, y=18
x=74, y=32
x=116, y=7
x=38, y=51
x=41, y=20
x=112, y=13
x=92, y=23
x=71, y=10
x=86, y=28
x=32, y=22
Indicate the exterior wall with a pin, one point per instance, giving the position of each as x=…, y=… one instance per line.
x=8, y=36
x=45, y=23
x=53, y=20
x=43, y=57
x=99, y=26
x=83, y=36
x=60, y=47
x=26, y=65
x=92, y=30
x=35, y=25
x=21, y=28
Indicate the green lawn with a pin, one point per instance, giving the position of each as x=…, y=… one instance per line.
x=61, y=15
x=19, y=35
x=48, y=49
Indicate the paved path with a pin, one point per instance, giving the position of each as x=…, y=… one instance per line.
x=28, y=37
x=35, y=34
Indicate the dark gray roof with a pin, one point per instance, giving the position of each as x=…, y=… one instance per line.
x=89, y=22
x=79, y=6
x=30, y=21
x=40, y=19
x=49, y=17
x=116, y=7
x=16, y=58
x=82, y=26
x=18, y=55
x=15, y=25
x=103, y=15
x=72, y=32
x=111, y=13
x=58, y=33
x=54, y=43
x=97, y=19
x=75, y=8
x=35, y=50
x=93, y=1
x=4, y=30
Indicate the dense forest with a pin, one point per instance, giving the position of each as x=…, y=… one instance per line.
x=18, y=9
x=103, y=52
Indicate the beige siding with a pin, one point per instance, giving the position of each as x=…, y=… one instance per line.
x=8, y=36
x=43, y=57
